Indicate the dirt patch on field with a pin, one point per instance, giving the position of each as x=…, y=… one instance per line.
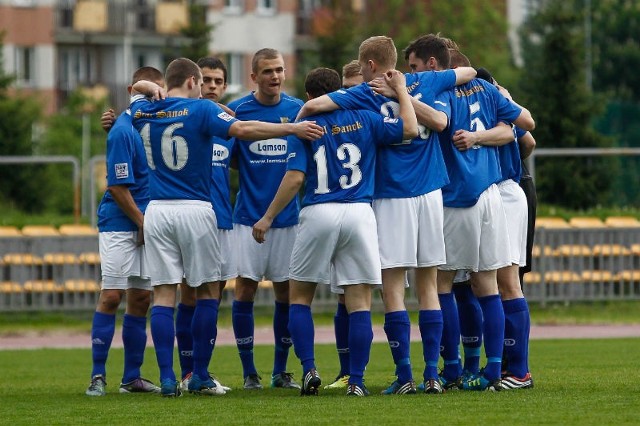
x=264, y=335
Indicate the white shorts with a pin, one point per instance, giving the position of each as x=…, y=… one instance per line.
x=410, y=231
x=515, y=206
x=122, y=261
x=269, y=260
x=182, y=241
x=229, y=266
x=341, y=236
x=476, y=237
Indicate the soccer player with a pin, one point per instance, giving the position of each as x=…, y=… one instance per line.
x=180, y=227
x=214, y=76
x=120, y=218
x=474, y=222
x=407, y=203
x=351, y=76
x=261, y=166
x=337, y=224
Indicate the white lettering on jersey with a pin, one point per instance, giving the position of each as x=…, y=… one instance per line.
x=220, y=152
x=269, y=147
x=122, y=170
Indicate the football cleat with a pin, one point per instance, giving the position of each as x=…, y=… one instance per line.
x=139, y=385
x=204, y=387
x=170, y=388
x=355, y=390
x=480, y=383
x=400, y=389
x=97, y=386
x=432, y=386
x=341, y=382
x=509, y=381
x=284, y=380
x=310, y=383
x=252, y=382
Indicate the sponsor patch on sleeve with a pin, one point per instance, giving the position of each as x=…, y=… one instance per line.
x=390, y=120
x=224, y=116
x=122, y=170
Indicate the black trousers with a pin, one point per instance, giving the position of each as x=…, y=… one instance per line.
x=529, y=188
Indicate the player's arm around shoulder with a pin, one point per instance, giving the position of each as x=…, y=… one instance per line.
x=464, y=74
x=501, y=134
x=257, y=130
x=398, y=82
x=317, y=106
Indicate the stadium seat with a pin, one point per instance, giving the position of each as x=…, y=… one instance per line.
x=11, y=296
x=77, y=230
x=60, y=266
x=21, y=267
x=41, y=239
x=11, y=240
x=43, y=294
x=610, y=250
x=89, y=265
x=536, y=251
x=586, y=222
x=622, y=222
x=551, y=222
x=573, y=250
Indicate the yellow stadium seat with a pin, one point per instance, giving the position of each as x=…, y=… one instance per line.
x=77, y=230
x=60, y=259
x=536, y=251
x=551, y=222
x=42, y=286
x=40, y=231
x=532, y=277
x=610, y=250
x=628, y=275
x=81, y=286
x=622, y=222
x=586, y=222
x=561, y=277
x=21, y=259
x=597, y=275
x=573, y=250
x=9, y=232
x=92, y=258
x=10, y=287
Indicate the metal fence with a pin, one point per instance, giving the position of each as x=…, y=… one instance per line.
x=44, y=268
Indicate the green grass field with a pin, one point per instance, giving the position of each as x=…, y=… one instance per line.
x=576, y=382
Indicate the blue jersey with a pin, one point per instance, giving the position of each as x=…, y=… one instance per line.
x=476, y=105
x=509, y=154
x=262, y=164
x=405, y=169
x=178, y=136
x=126, y=165
x=220, y=185
x=340, y=166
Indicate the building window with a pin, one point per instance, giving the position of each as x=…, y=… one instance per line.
x=236, y=73
x=25, y=65
x=266, y=7
x=233, y=7
x=77, y=68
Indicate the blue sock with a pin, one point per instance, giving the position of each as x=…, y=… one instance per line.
x=102, y=331
x=360, y=338
x=242, y=319
x=302, y=334
x=134, y=338
x=184, y=338
x=430, y=322
x=470, y=315
x=341, y=328
x=282, y=337
x=398, y=329
x=450, y=343
x=163, y=334
x=204, y=329
x=493, y=331
x=517, y=325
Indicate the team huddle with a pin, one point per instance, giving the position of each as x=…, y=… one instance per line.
x=399, y=173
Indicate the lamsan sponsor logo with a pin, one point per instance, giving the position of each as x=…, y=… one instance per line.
x=220, y=153
x=269, y=147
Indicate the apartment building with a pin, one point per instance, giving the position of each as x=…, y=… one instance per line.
x=56, y=46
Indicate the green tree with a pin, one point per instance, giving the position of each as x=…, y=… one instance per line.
x=197, y=32
x=18, y=114
x=64, y=137
x=553, y=88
